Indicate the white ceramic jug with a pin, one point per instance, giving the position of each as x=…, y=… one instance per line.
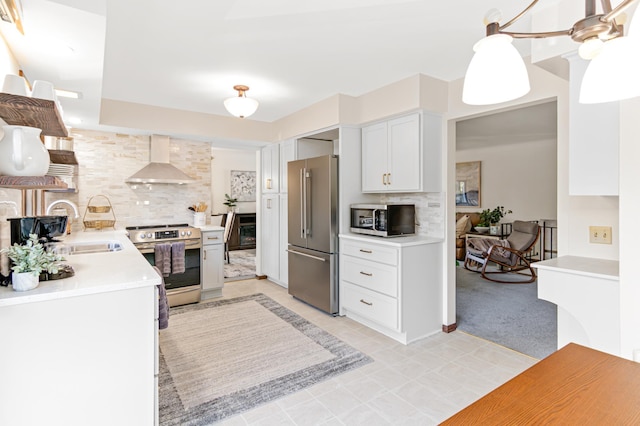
x=22, y=153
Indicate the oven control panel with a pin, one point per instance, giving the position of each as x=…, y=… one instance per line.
x=166, y=234
x=163, y=235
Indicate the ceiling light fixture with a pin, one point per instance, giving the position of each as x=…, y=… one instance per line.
x=11, y=11
x=241, y=106
x=497, y=72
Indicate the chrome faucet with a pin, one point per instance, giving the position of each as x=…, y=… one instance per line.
x=67, y=202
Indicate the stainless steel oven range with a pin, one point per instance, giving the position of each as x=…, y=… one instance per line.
x=181, y=288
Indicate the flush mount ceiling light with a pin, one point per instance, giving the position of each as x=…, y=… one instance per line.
x=241, y=106
x=11, y=11
x=497, y=72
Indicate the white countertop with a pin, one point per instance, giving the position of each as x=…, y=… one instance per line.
x=586, y=266
x=94, y=272
x=205, y=228
x=401, y=241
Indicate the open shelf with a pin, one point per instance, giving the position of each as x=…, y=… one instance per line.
x=32, y=182
x=33, y=112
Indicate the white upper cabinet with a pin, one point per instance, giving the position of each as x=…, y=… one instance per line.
x=287, y=153
x=402, y=154
x=374, y=157
x=270, y=168
x=594, y=139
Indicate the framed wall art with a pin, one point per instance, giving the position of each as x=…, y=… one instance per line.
x=468, y=184
x=243, y=185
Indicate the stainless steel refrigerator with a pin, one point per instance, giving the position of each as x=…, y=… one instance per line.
x=313, y=231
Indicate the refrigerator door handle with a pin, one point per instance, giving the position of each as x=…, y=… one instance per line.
x=307, y=255
x=302, y=224
x=307, y=203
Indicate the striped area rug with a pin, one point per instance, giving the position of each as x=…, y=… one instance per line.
x=221, y=358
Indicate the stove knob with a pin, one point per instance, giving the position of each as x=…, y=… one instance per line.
x=149, y=235
x=189, y=233
x=183, y=233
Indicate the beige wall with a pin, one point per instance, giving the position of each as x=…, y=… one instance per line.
x=520, y=175
x=173, y=121
x=222, y=162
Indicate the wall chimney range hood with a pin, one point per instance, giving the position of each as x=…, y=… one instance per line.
x=159, y=170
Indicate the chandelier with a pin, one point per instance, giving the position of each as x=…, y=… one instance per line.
x=497, y=72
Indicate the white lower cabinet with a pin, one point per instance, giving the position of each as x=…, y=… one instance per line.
x=270, y=236
x=80, y=360
x=392, y=286
x=212, y=263
x=284, y=229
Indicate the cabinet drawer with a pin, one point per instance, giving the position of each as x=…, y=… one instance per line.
x=212, y=237
x=371, y=275
x=373, y=252
x=371, y=305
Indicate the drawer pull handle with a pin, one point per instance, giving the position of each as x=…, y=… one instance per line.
x=368, y=274
x=366, y=303
x=366, y=251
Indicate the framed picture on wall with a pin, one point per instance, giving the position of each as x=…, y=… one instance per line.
x=468, y=184
x=243, y=185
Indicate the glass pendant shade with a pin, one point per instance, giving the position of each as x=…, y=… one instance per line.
x=614, y=74
x=496, y=73
x=241, y=106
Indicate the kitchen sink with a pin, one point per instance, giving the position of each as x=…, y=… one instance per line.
x=88, y=247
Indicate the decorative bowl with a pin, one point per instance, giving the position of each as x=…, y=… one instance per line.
x=482, y=229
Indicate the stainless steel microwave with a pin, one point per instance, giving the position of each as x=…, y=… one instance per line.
x=384, y=220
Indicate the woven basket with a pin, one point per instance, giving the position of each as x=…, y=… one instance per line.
x=99, y=209
x=99, y=224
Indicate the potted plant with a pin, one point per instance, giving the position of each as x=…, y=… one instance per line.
x=491, y=218
x=29, y=261
x=230, y=202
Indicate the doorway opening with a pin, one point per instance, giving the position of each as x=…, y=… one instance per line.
x=516, y=153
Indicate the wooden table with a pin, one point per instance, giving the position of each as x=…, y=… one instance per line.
x=573, y=386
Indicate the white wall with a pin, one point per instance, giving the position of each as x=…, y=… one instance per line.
x=521, y=176
x=222, y=162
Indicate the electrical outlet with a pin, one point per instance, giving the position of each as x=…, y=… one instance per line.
x=600, y=234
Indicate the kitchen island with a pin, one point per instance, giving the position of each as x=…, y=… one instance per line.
x=83, y=350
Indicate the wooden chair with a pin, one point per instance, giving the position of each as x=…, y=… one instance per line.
x=228, y=226
x=510, y=258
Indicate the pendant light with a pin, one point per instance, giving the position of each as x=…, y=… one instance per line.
x=496, y=75
x=614, y=73
x=241, y=106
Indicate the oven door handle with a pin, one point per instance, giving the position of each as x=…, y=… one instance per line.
x=150, y=248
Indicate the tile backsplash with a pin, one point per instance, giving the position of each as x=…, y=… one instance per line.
x=107, y=159
x=430, y=211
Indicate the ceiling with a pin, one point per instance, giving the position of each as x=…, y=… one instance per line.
x=526, y=124
x=292, y=53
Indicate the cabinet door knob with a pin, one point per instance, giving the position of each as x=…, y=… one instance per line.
x=366, y=303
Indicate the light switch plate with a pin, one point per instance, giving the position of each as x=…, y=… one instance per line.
x=600, y=234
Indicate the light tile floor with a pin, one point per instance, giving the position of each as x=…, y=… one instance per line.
x=422, y=383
